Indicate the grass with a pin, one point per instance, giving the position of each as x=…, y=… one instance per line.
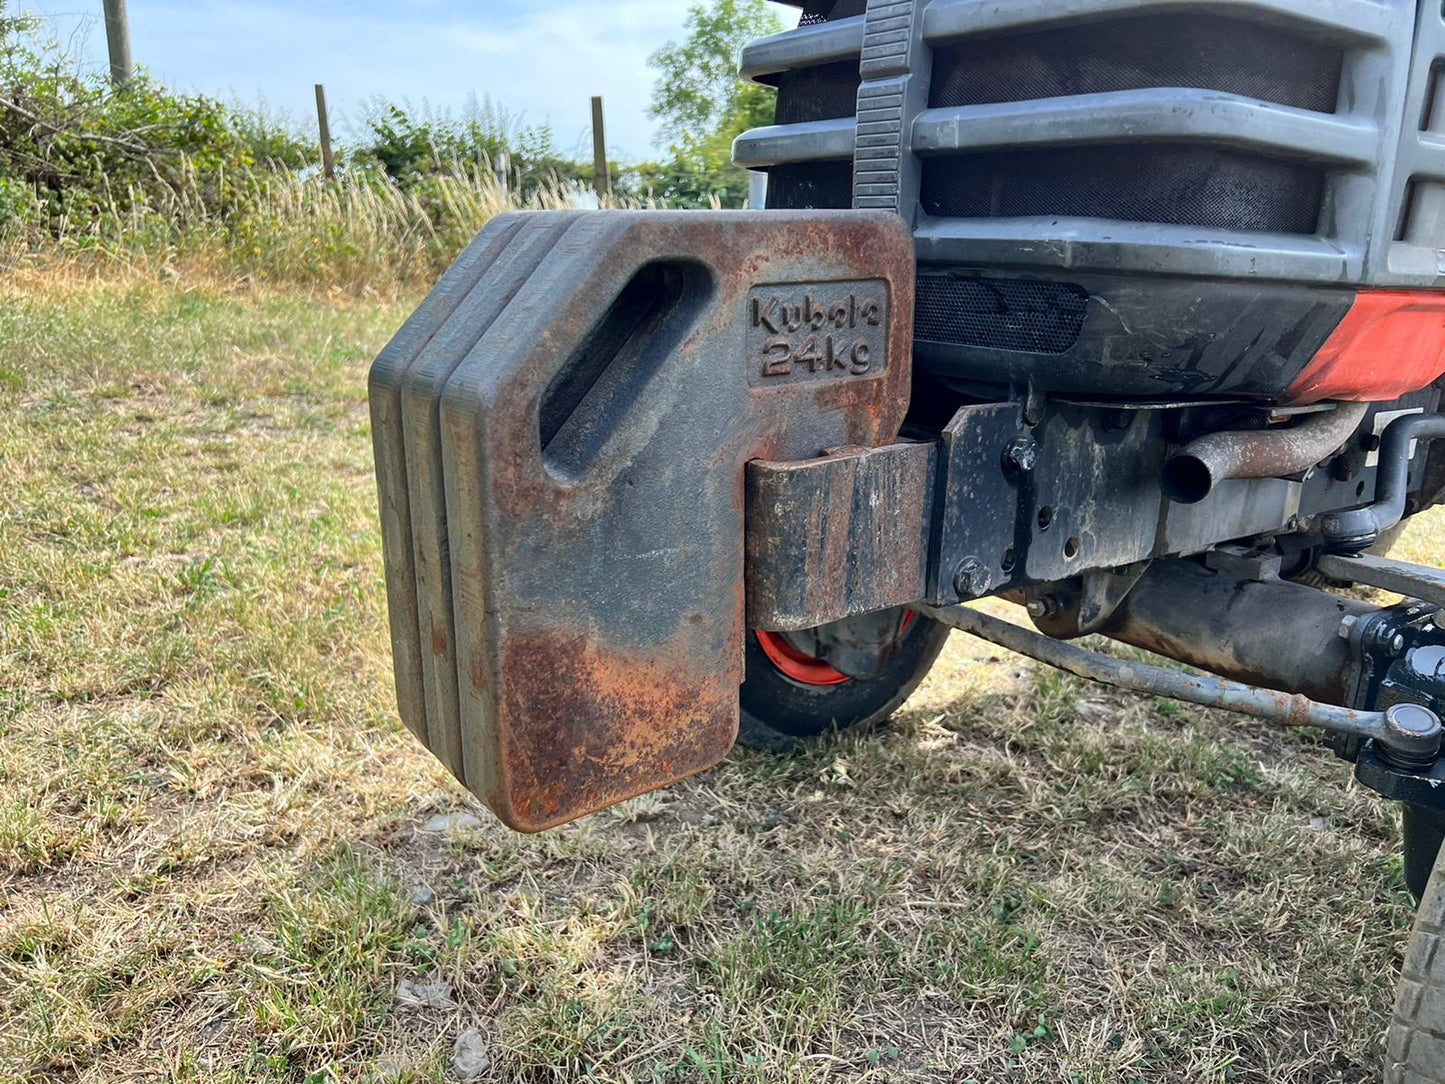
x=215, y=863
x=360, y=234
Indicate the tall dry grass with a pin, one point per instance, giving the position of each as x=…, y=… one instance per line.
x=361, y=233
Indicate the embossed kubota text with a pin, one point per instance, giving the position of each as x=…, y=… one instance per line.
x=800, y=331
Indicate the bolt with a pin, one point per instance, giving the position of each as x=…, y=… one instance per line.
x=1347, y=625
x=1041, y=607
x=1020, y=455
x=1397, y=645
x=971, y=579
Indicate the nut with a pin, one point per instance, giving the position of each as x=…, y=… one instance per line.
x=1041, y=607
x=971, y=579
x=1020, y=455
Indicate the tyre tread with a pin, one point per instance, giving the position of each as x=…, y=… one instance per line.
x=1415, y=1043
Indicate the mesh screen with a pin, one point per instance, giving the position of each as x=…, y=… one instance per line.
x=811, y=185
x=999, y=314
x=1172, y=184
x=1203, y=51
x=824, y=11
x=824, y=92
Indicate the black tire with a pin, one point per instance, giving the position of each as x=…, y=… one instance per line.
x=778, y=712
x=1415, y=1043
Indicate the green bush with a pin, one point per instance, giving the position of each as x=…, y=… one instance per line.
x=412, y=146
x=90, y=155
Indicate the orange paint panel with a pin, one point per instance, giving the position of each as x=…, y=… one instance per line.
x=1389, y=343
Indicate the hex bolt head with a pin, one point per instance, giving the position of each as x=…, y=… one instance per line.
x=971, y=579
x=1020, y=455
x=1347, y=625
x=1041, y=607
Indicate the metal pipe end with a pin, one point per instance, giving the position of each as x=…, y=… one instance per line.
x=1187, y=479
x=1412, y=736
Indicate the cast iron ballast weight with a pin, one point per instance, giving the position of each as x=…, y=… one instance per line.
x=1045, y=307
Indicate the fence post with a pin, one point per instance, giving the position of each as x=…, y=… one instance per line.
x=502, y=167
x=328, y=161
x=117, y=40
x=602, y=177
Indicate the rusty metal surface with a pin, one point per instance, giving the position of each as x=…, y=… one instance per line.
x=1401, y=577
x=1266, y=632
x=588, y=501
x=836, y=536
x=387, y=376
x=1194, y=471
x=516, y=256
x=1288, y=708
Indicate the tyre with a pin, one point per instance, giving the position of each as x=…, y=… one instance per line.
x=788, y=696
x=1415, y=1043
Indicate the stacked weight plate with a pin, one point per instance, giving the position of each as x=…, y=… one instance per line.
x=561, y=432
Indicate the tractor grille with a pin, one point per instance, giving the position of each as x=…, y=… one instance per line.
x=822, y=93
x=1126, y=138
x=1179, y=185
x=1204, y=51
x=999, y=314
x=820, y=86
x=811, y=185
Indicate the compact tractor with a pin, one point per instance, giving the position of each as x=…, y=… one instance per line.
x=1131, y=312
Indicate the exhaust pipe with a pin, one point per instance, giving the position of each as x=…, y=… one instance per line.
x=1191, y=473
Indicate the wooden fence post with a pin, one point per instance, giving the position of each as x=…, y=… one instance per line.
x=602, y=177
x=328, y=160
x=502, y=167
x=117, y=40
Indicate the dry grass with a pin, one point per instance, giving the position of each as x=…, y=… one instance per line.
x=360, y=234
x=215, y=862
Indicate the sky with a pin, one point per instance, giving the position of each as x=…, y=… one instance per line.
x=541, y=60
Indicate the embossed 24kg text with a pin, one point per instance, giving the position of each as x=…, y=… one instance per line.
x=816, y=331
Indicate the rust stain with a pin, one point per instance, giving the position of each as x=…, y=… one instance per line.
x=589, y=726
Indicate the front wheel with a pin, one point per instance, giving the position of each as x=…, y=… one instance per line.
x=1415, y=1043
x=789, y=695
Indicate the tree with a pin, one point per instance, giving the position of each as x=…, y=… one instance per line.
x=698, y=87
x=702, y=103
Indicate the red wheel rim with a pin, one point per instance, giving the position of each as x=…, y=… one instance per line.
x=804, y=669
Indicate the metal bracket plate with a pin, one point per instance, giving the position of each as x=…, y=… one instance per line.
x=841, y=535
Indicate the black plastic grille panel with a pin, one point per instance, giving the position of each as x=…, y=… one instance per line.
x=1031, y=315
x=824, y=92
x=827, y=11
x=1207, y=52
x=815, y=185
x=1181, y=185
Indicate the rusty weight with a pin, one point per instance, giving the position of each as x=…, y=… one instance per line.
x=561, y=433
